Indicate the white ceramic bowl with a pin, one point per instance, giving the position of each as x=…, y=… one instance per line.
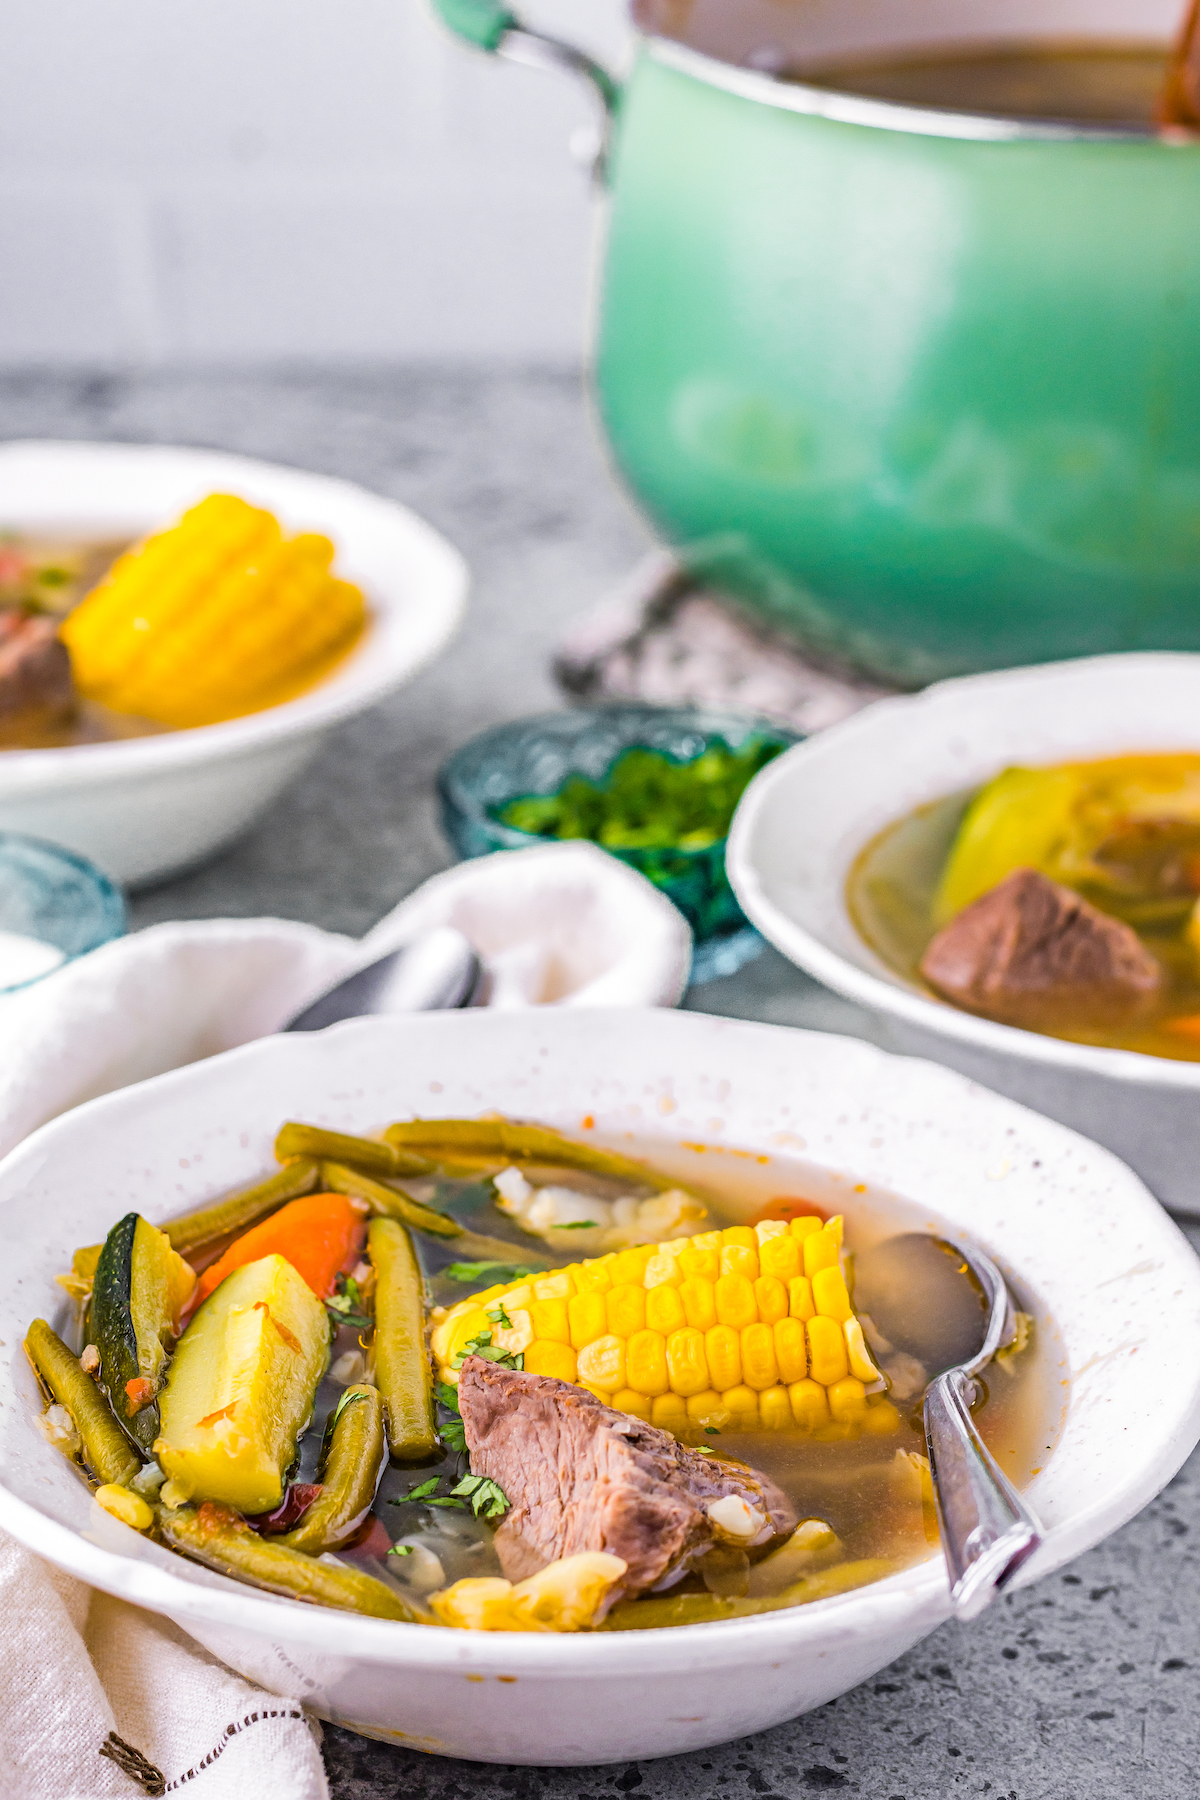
x=803, y=821
x=1114, y=1285
x=145, y=807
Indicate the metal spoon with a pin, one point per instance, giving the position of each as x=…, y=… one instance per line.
x=987, y=1530
x=437, y=971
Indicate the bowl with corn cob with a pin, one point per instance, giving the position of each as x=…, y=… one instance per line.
x=672, y=1331
x=179, y=629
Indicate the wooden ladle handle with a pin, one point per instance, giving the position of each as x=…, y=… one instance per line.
x=1179, y=103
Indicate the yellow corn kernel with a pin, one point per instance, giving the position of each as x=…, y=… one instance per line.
x=454, y=1334
x=628, y=1400
x=587, y=1316
x=706, y=1240
x=829, y=1294
x=861, y=1363
x=515, y=1337
x=626, y=1307
x=735, y=1301
x=736, y=1259
x=602, y=1364
x=704, y=1263
x=800, y=1297
x=766, y=1229
x=791, y=1350
x=669, y=1411
x=664, y=1310
x=775, y=1409
x=707, y=1409
x=599, y=1393
x=847, y=1401
x=881, y=1417
x=739, y=1234
x=820, y=1252
x=628, y=1266
x=125, y=1505
x=550, y=1321
x=771, y=1298
x=518, y=1296
x=646, y=1363
x=555, y=1286
x=687, y=1365
x=699, y=1302
x=546, y=1357
x=662, y=1270
x=836, y=1228
x=742, y=1402
x=594, y=1277
x=759, y=1367
x=780, y=1257
x=810, y=1407
x=804, y=1228
x=723, y=1350
x=827, y=1358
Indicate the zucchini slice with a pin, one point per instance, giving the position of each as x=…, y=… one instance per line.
x=141, y=1287
x=241, y=1385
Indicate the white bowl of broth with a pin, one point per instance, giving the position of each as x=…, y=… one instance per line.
x=837, y=850
x=746, y=1114
x=142, y=801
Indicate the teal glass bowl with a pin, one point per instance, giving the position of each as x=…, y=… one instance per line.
x=55, y=897
x=536, y=755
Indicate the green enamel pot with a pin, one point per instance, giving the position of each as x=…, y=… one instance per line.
x=920, y=387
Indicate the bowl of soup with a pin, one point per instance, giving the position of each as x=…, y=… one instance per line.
x=179, y=631
x=902, y=859
x=542, y=1167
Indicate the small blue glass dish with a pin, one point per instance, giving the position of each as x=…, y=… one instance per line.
x=535, y=756
x=54, y=898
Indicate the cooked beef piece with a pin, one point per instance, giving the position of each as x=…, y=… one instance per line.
x=35, y=670
x=1032, y=952
x=581, y=1476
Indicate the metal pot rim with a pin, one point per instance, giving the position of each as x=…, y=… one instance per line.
x=889, y=115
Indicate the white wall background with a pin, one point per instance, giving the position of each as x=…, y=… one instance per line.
x=226, y=179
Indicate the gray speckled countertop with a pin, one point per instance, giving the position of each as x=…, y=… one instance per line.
x=1082, y=1688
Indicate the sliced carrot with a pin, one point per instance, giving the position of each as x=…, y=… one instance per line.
x=319, y=1235
x=1188, y=1026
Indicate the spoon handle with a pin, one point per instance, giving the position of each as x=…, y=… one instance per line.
x=987, y=1530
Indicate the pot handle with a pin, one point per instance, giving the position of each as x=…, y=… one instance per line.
x=494, y=27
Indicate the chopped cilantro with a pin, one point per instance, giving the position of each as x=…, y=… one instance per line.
x=488, y=1499
x=466, y=1272
x=711, y=1431
x=451, y=1431
x=427, y=1495
x=401, y=1550
x=576, y=1225
x=481, y=1345
x=348, y=1306
x=499, y=1316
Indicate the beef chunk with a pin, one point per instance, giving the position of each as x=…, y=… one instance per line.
x=1033, y=953
x=35, y=670
x=580, y=1476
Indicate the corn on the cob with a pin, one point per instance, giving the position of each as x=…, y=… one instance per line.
x=219, y=615
x=751, y=1326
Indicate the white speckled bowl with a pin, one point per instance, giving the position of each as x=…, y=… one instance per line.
x=144, y=807
x=1115, y=1287
x=802, y=822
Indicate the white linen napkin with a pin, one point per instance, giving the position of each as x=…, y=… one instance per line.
x=559, y=924
x=99, y=1699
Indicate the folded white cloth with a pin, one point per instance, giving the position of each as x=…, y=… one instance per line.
x=561, y=924
x=88, y=1684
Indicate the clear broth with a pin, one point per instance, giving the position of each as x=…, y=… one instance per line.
x=1086, y=81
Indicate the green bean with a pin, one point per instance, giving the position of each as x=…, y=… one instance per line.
x=351, y=1465
x=386, y=1202
x=401, y=1361
x=107, y=1452
x=376, y=1157
x=238, y=1211
x=221, y=1540
x=701, y=1609
x=483, y=1142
